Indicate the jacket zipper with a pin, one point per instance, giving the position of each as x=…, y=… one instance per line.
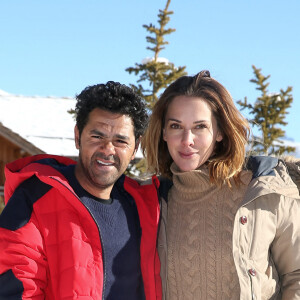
x=252, y=292
x=158, y=225
x=101, y=241
x=160, y=210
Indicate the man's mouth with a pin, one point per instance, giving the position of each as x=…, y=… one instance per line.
x=100, y=162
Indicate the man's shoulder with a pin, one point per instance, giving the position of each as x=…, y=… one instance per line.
x=146, y=188
x=19, y=207
x=139, y=181
x=43, y=166
x=164, y=187
x=162, y=184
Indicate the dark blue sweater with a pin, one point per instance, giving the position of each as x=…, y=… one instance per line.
x=120, y=234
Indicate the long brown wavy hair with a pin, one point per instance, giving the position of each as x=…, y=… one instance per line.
x=229, y=154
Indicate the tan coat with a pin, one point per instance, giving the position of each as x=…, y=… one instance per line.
x=266, y=234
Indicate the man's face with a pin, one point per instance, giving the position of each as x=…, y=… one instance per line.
x=106, y=147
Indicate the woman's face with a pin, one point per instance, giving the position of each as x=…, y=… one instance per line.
x=190, y=131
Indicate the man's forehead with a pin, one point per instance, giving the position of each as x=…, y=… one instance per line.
x=111, y=126
x=110, y=121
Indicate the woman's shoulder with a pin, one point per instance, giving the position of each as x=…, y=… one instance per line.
x=261, y=165
x=293, y=167
x=276, y=174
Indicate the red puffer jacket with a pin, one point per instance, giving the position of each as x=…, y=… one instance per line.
x=50, y=246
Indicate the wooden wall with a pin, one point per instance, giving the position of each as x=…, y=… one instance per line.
x=8, y=153
x=1, y=199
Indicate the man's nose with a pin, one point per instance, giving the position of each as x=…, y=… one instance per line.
x=108, y=147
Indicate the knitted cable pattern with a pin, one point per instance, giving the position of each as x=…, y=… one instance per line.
x=199, y=236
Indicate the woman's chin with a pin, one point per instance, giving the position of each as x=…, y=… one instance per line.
x=187, y=168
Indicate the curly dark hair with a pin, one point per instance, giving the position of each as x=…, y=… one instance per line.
x=113, y=97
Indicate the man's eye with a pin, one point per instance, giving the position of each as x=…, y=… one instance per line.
x=98, y=137
x=121, y=142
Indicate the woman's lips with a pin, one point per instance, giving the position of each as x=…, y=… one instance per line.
x=187, y=154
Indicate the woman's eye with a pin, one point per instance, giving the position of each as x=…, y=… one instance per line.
x=175, y=126
x=201, y=126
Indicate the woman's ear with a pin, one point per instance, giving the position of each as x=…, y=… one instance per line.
x=219, y=137
x=164, y=135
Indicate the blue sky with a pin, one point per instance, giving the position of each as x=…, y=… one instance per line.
x=58, y=47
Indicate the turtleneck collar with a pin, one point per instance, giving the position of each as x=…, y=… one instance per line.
x=191, y=185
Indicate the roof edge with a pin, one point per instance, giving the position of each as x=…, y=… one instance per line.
x=16, y=139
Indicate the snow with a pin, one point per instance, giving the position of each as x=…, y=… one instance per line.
x=159, y=59
x=43, y=121
x=46, y=123
x=293, y=144
x=3, y=93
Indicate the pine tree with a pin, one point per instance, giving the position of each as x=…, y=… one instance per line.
x=269, y=111
x=156, y=73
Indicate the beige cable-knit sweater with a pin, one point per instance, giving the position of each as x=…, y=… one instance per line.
x=199, y=236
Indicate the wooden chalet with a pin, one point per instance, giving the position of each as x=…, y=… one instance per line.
x=12, y=147
x=34, y=125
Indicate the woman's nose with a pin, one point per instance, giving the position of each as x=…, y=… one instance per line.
x=188, y=138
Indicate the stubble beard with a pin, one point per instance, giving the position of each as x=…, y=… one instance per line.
x=100, y=180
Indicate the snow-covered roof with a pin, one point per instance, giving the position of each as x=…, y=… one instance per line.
x=42, y=121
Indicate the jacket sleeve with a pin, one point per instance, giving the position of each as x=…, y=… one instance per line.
x=23, y=264
x=286, y=247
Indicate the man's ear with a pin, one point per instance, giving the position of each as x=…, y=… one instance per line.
x=77, y=137
x=137, y=143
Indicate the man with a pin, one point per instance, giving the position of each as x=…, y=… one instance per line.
x=83, y=231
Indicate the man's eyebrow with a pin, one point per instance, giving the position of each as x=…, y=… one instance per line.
x=122, y=137
x=118, y=136
x=97, y=132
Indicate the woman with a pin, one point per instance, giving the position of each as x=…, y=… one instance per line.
x=229, y=230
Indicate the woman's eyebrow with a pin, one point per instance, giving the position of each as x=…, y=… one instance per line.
x=201, y=121
x=174, y=120
x=178, y=121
